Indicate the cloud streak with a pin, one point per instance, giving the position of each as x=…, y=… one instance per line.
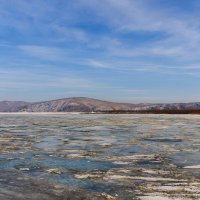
x=43, y=52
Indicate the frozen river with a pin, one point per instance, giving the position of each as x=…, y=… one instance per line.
x=147, y=157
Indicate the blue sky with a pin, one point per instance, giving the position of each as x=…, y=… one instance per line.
x=120, y=50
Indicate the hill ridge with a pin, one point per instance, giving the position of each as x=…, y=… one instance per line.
x=85, y=104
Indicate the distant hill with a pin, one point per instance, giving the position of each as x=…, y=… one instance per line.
x=77, y=104
x=83, y=104
x=12, y=106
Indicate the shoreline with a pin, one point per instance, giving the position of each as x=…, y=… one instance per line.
x=40, y=113
x=118, y=112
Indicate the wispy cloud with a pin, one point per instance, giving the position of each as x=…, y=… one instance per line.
x=181, y=33
x=25, y=79
x=43, y=52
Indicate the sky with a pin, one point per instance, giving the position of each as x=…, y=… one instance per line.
x=118, y=50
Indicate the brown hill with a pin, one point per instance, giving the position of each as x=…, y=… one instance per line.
x=83, y=104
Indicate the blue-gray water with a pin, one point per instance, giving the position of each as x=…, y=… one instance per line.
x=124, y=156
